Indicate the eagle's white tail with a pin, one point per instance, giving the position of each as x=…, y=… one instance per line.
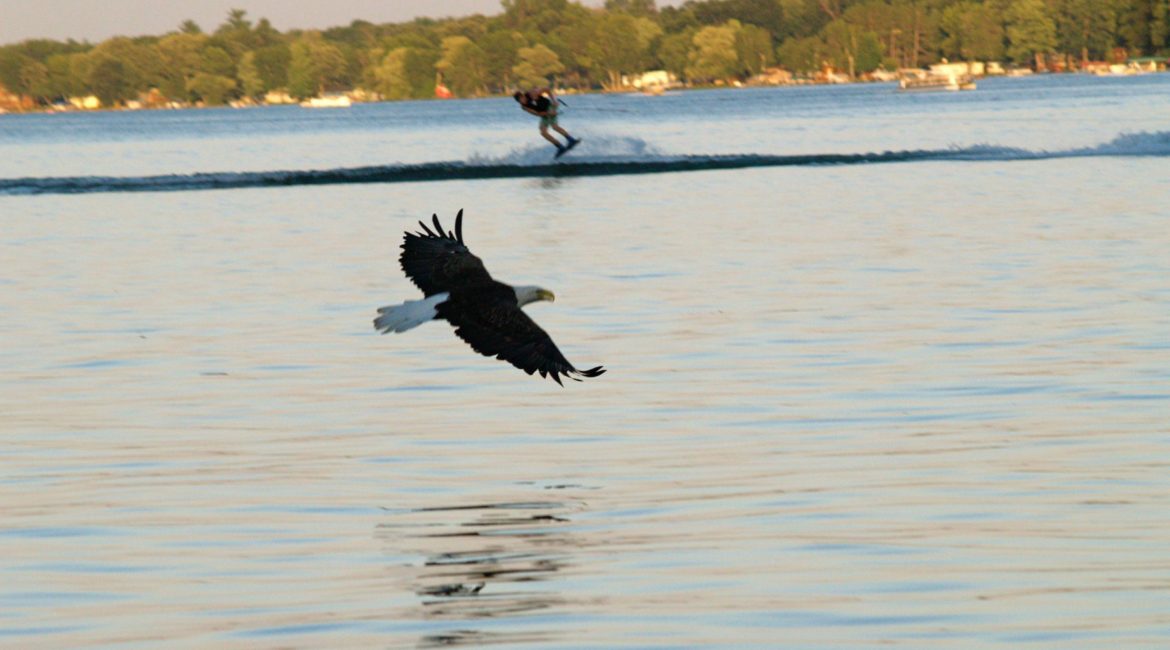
x=408, y=315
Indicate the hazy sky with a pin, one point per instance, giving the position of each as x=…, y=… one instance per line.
x=96, y=20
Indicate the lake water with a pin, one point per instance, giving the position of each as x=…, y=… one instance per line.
x=919, y=400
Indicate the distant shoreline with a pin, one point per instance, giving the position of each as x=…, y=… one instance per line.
x=359, y=97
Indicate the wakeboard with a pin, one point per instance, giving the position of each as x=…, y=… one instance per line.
x=569, y=146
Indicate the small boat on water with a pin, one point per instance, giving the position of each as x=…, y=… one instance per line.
x=328, y=101
x=937, y=82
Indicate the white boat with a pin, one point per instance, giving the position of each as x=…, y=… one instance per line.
x=937, y=82
x=328, y=101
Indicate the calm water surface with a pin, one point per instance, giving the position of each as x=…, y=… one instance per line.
x=921, y=404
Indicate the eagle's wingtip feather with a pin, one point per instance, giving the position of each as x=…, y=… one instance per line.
x=593, y=372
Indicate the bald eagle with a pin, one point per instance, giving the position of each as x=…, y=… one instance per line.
x=485, y=312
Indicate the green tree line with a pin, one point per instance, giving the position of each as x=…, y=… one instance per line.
x=533, y=41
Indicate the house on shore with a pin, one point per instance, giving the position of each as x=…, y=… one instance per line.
x=772, y=77
x=12, y=103
x=278, y=97
x=651, y=81
x=86, y=103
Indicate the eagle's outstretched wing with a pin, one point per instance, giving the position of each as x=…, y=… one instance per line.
x=437, y=261
x=497, y=327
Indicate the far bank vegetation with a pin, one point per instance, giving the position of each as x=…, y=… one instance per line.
x=533, y=42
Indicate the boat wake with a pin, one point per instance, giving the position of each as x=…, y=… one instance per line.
x=606, y=157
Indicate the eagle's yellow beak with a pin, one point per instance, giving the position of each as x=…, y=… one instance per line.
x=545, y=294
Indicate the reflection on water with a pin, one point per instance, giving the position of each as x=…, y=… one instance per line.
x=476, y=639
x=483, y=561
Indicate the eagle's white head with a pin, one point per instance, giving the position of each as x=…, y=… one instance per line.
x=531, y=293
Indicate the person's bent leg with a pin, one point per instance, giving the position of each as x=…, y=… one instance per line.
x=565, y=133
x=547, y=136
